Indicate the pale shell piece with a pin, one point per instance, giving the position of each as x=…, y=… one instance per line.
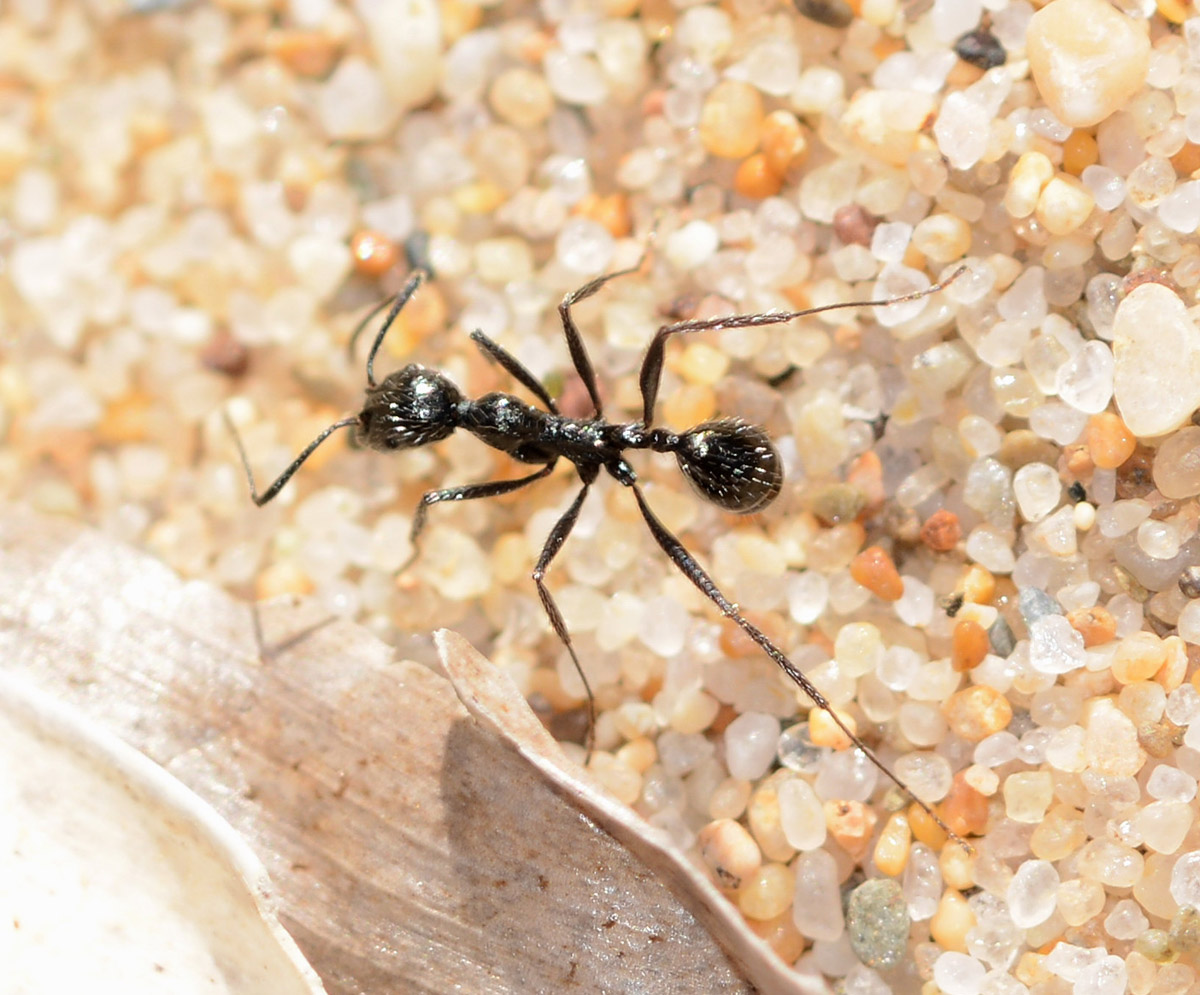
x=118, y=877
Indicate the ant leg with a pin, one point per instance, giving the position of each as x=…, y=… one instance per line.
x=283, y=478
x=579, y=356
x=652, y=364
x=467, y=492
x=558, y=535
x=418, y=277
x=517, y=369
x=695, y=573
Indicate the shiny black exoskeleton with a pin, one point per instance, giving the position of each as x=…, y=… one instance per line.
x=730, y=463
x=727, y=461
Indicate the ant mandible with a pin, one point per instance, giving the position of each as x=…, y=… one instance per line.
x=729, y=462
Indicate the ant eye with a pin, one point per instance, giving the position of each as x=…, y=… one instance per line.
x=731, y=464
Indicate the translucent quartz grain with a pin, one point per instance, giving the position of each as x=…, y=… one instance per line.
x=801, y=814
x=1032, y=893
x=1027, y=795
x=958, y=974
x=1177, y=464
x=1037, y=489
x=1126, y=921
x=817, y=909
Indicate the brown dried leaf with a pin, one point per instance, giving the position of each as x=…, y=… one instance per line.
x=408, y=853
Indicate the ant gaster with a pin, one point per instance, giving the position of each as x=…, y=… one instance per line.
x=729, y=462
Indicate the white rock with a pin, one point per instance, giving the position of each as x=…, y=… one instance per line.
x=407, y=38
x=354, y=104
x=1156, y=347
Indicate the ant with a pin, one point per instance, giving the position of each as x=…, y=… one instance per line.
x=729, y=462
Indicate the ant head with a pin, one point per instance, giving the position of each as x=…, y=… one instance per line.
x=412, y=407
x=732, y=464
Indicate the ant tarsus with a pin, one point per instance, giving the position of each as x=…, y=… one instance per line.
x=728, y=462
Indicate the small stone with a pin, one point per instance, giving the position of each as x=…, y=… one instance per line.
x=877, y=922
x=1138, y=657
x=1155, y=945
x=729, y=851
x=1032, y=893
x=823, y=731
x=817, y=908
x=353, y=104
x=1035, y=604
x=767, y=892
x=1001, y=638
x=801, y=814
x=875, y=570
x=1177, y=464
x=1029, y=175
x=942, y=238
x=885, y=124
x=964, y=810
x=731, y=119
x=755, y=179
x=373, y=252
x=951, y=924
x=1037, y=489
x=853, y=225
x=981, y=48
x=941, y=531
x=1106, y=976
x=958, y=974
x=1109, y=441
x=851, y=824
x=1063, y=205
x=969, y=645
x=1096, y=625
x=1156, y=346
x=750, y=743
x=833, y=13
x=977, y=712
x=783, y=143
x=1184, y=934
x=1111, y=743
x=1189, y=583
x=837, y=502
x=1086, y=58
x=893, y=846
x=521, y=97
x=1027, y=795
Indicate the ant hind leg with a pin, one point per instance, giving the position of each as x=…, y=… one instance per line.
x=688, y=566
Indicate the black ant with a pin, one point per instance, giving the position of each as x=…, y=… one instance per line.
x=729, y=462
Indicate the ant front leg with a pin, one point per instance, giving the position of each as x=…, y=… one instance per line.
x=579, y=356
x=467, y=492
x=519, y=372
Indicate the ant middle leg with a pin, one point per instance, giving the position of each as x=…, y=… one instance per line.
x=467, y=492
x=579, y=356
x=558, y=535
x=687, y=565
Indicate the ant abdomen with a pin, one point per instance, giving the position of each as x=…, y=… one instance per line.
x=732, y=464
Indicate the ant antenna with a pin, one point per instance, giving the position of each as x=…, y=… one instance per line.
x=283, y=478
x=418, y=277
